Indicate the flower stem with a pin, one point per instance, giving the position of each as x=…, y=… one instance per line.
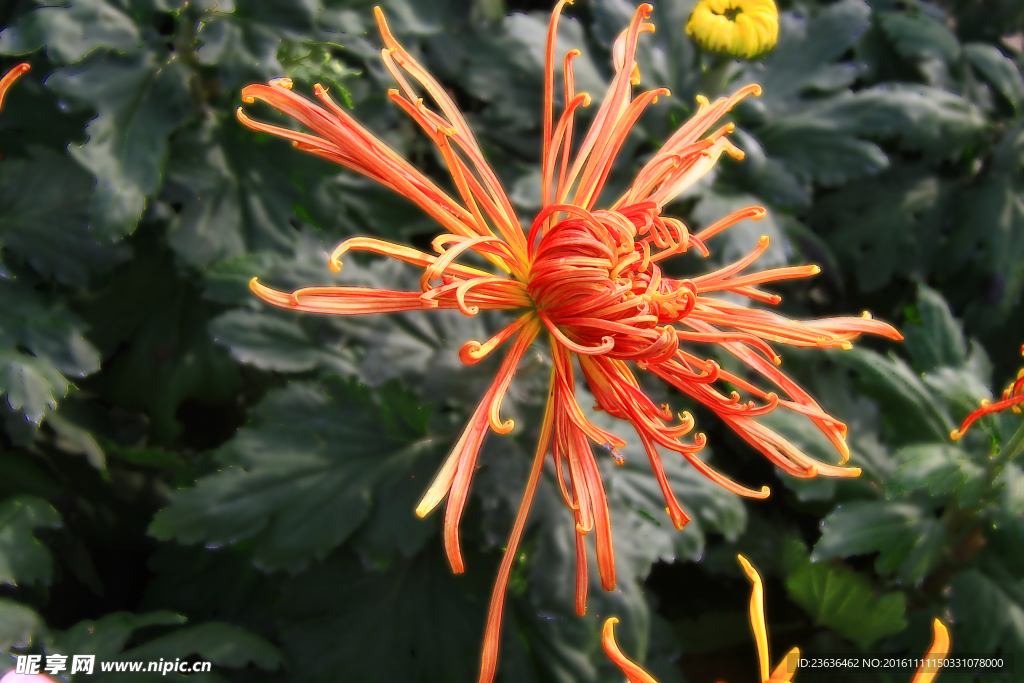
x=1014, y=447
x=716, y=75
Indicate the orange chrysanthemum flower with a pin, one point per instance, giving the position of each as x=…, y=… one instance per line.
x=1013, y=397
x=589, y=278
x=786, y=669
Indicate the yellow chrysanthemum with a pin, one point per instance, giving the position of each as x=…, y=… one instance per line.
x=744, y=28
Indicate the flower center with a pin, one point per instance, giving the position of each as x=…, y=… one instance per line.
x=594, y=279
x=730, y=13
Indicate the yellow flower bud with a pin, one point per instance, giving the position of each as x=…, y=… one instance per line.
x=744, y=28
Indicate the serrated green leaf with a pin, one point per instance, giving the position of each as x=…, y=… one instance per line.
x=18, y=624
x=802, y=59
x=876, y=225
x=234, y=195
x=31, y=386
x=839, y=598
x=1009, y=153
x=988, y=614
x=71, y=32
x=44, y=217
x=23, y=559
x=271, y=342
x=212, y=584
x=938, y=339
x=217, y=642
x=168, y=355
x=822, y=154
x=919, y=36
x=917, y=117
x=908, y=539
x=906, y=404
x=999, y=70
x=138, y=102
x=301, y=481
x=106, y=637
x=242, y=42
x=988, y=231
x=413, y=621
x=939, y=469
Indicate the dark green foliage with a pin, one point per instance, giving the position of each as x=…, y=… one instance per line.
x=190, y=474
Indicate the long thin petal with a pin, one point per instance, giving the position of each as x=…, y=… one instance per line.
x=492, y=632
x=935, y=656
x=634, y=673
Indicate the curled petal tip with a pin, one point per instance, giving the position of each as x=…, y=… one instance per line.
x=815, y=269
x=955, y=434
x=283, y=82
x=503, y=427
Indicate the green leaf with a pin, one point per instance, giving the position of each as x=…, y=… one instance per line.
x=41, y=345
x=999, y=70
x=217, y=642
x=234, y=194
x=106, y=637
x=920, y=36
x=988, y=614
x=988, y=234
x=18, y=624
x=71, y=32
x=44, y=217
x=167, y=355
x=32, y=386
x=907, y=538
x=822, y=153
x=271, y=342
x=802, y=59
x=877, y=225
x=906, y=404
x=840, y=599
x=242, y=41
x=138, y=101
x=939, y=469
x=301, y=480
x=937, y=340
x=414, y=621
x=923, y=40
x=23, y=559
x=935, y=121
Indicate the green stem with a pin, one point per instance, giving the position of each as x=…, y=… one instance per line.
x=716, y=76
x=1014, y=447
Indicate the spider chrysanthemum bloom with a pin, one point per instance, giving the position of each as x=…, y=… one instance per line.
x=588, y=279
x=742, y=28
x=786, y=669
x=1013, y=397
